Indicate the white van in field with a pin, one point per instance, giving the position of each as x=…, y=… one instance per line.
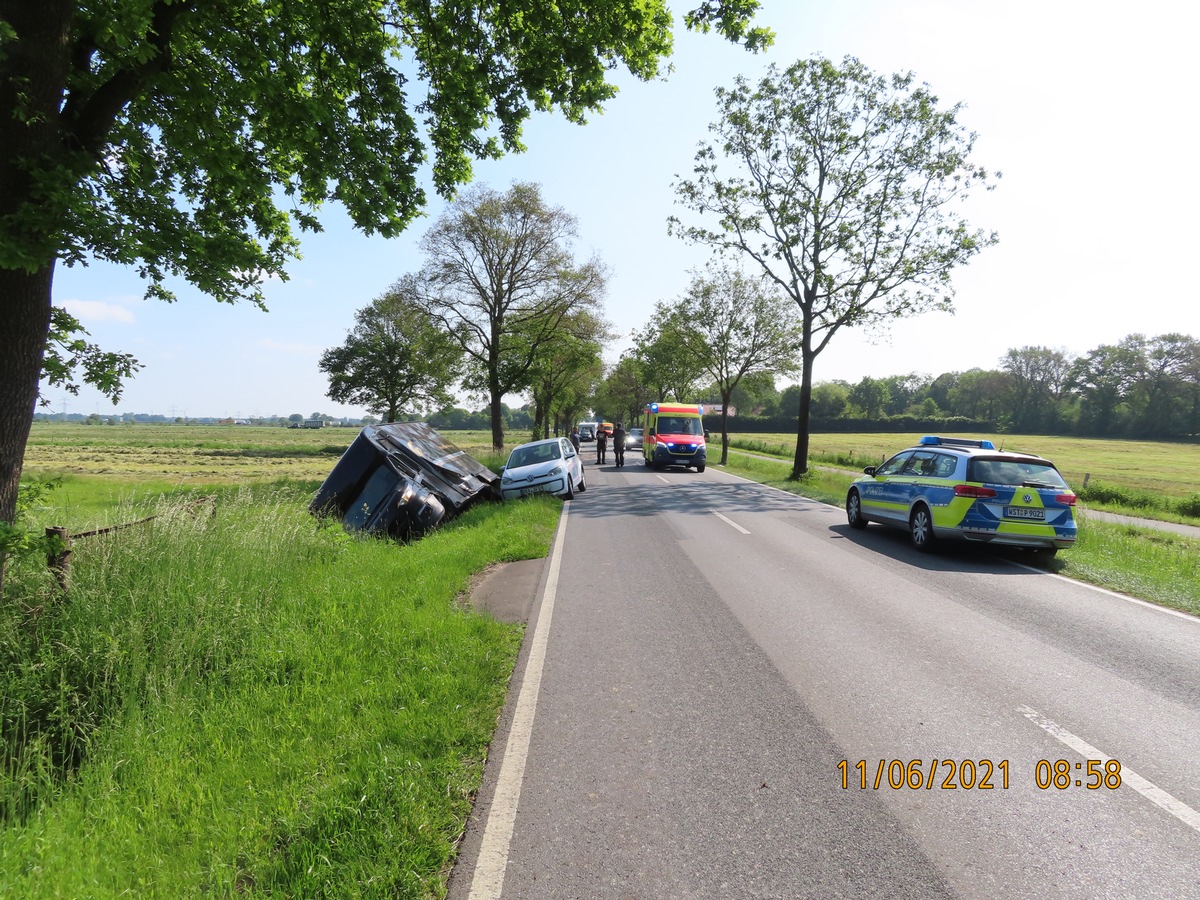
x=587, y=431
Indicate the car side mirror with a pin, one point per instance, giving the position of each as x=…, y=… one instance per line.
x=869, y=470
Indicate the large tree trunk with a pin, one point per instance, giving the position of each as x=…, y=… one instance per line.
x=24, y=322
x=33, y=72
x=497, y=418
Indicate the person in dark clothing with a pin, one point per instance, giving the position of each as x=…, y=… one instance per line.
x=601, y=445
x=619, y=444
x=575, y=438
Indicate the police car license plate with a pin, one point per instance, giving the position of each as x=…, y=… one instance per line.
x=1025, y=512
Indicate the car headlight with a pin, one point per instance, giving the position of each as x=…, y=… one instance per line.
x=557, y=470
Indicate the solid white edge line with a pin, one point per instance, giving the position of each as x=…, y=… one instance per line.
x=487, y=881
x=729, y=522
x=663, y=479
x=1143, y=786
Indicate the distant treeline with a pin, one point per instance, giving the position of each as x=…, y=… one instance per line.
x=1140, y=387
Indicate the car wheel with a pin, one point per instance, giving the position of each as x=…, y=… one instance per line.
x=920, y=528
x=854, y=510
x=582, y=483
x=570, y=490
x=700, y=468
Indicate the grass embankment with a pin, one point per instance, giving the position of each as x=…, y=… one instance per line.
x=1154, y=565
x=1150, y=479
x=246, y=703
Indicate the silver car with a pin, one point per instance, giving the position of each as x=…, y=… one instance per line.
x=549, y=466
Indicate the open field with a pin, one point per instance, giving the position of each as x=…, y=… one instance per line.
x=130, y=467
x=1170, y=469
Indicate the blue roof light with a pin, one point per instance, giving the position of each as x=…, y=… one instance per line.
x=654, y=407
x=931, y=440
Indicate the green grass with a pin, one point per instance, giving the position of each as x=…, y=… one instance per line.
x=1147, y=563
x=248, y=703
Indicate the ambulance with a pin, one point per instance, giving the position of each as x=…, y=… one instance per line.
x=674, y=435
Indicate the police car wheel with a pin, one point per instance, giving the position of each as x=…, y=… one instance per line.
x=854, y=511
x=920, y=529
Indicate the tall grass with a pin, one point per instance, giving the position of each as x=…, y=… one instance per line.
x=248, y=702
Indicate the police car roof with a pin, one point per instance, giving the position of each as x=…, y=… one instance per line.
x=973, y=447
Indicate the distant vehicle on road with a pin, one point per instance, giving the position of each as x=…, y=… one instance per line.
x=967, y=490
x=587, y=431
x=633, y=438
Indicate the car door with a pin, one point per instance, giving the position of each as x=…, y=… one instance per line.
x=573, y=463
x=881, y=497
x=915, y=479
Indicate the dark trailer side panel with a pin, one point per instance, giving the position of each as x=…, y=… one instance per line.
x=402, y=479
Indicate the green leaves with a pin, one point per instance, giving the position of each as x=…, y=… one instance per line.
x=67, y=353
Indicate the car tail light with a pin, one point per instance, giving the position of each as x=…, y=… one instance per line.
x=1066, y=499
x=971, y=490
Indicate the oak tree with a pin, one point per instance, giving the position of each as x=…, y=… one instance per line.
x=393, y=359
x=733, y=326
x=500, y=275
x=842, y=187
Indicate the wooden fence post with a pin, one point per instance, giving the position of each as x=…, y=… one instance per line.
x=60, y=562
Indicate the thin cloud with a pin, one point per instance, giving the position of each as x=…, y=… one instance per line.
x=98, y=311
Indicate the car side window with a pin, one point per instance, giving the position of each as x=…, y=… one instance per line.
x=921, y=463
x=894, y=465
x=945, y=466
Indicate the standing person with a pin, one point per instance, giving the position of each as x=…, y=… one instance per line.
x=619, y=444
x=575, y=437
x=601, y=445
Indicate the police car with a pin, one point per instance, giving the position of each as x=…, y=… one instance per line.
x=966, y=490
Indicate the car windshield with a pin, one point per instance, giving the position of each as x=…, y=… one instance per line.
x=679, y=425
x=1015, y=472
x=532, y=454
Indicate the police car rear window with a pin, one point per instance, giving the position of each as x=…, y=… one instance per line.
x=1014, y=472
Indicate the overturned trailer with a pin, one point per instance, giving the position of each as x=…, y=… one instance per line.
x=402, y=480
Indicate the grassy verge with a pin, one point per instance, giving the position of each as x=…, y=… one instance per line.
x=1153, y=565
x=247, y=703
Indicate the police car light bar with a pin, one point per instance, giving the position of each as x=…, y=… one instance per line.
x=932, y=440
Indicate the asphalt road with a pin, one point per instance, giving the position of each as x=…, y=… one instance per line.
x=714, y=669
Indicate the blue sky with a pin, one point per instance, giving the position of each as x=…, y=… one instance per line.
x=1086, y=109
